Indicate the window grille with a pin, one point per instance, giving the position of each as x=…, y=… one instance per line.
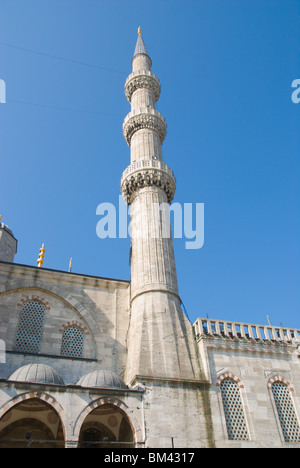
x=30, y=328
x=72, y=342
x=286, y=412
x=234, y=412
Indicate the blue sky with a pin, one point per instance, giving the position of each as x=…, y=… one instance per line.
x=226, y=68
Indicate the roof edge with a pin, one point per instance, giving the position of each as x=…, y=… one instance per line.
x=68, y=273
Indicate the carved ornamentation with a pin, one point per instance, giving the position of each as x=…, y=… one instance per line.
x=152, y=120
x=149, y=82
x=147, y=174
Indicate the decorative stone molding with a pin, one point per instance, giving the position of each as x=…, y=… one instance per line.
x=33, y=297
x=229, y=375
x=45, y=397
x=279, y=378
x=147, y=174
x=147, y=118
x=146, y=80
x=74, y=323
x=112, y=401
x=15, y=286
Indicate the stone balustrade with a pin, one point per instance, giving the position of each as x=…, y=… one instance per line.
x=147, y=163
x=222, y=328
x=144, y=118
x=147, y=173
x=142, y=80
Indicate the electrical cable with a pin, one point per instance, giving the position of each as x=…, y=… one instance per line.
x=59, y=108
x=56, y=57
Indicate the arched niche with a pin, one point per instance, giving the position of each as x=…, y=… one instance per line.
x=31, y=423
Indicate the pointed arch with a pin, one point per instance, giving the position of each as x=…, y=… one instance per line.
x=26, y=291
x=22, y=286
x=282, y=391
x=230, y=375
x=43, y=397
x=112, y=401
x=233, y=407
x=280, y=378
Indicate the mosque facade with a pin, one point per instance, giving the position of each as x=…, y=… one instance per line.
x=92, y=362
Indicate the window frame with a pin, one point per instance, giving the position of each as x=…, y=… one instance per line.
x=64, y=336
x=289, y=389
x=29, y=348
x=239, y=386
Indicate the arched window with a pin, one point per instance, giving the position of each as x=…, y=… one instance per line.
x=72, y=342
x=286, y=412
x=234, y=412
x=30, y=328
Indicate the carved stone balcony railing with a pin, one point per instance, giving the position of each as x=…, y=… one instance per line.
x=221, y=328
x=144, y=80
x=147, y=173
x=144, y=118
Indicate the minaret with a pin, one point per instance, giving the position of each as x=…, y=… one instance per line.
x=160, y=341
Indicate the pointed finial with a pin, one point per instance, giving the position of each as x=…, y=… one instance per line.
x=140, y=48
x=70, y=264
x=40, y=260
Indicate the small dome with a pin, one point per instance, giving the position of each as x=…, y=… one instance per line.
x=102, y=379
x=39, y=373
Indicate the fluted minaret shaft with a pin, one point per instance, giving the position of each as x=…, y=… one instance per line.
x=142, y=90
x=148, y=186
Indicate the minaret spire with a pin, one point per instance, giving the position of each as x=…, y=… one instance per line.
x=148, y=186
x=140, y=48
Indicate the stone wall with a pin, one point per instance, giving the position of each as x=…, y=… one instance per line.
x=254, y=363
x=98, y=307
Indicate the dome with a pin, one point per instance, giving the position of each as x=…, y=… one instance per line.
x=102, y=379
x=40, y=373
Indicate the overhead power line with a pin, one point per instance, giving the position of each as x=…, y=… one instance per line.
x=56, y=57
x=69, y=109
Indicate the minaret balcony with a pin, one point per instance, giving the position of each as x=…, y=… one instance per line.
x=142, y=80
x=147, y=173
x=144, y=118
